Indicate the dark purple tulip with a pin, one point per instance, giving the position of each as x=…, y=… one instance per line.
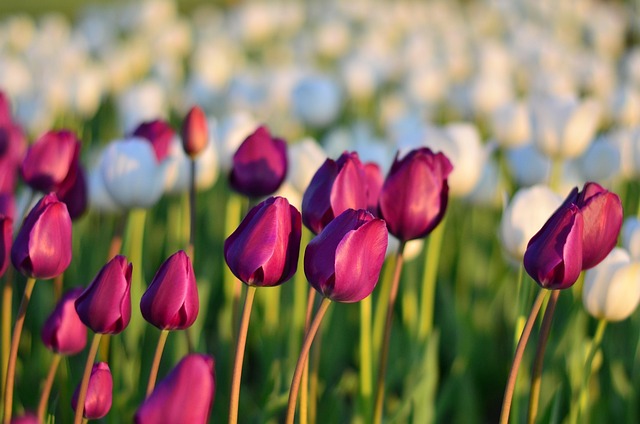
x=171, y=300
x=6, y=232
x=73, y=191
x=415, y=193
x=554, y=255
x=42, y=248
x=336, y=186
x=264, y=250
x=99, y=393
x=105, y=306
x=63, y=332
x=184, y=396
x=13, y=145
x=259, y=165
x=375, y=180
x=49, y=160
x=343, y=263
x=159, y=133
x=27, y=418
x=7, y=204
x=195, y=133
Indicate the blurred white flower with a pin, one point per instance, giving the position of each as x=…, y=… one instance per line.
x=631, y=237
x=86, y=90
x=511, y=124
x=15, y=78
x=99, y=198
x=178, y=168
x=627, y=142
x=304, y=159
x=412, y=248
x=143, y=102
x=600, y=162
x=489, y=190
x=230, y=132
x=332, y=37
x=317, y=100
x=625, y=105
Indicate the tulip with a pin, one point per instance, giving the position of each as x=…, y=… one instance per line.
x=7, y=204
x=414, y=196
x=49, y=160
x=42, y=248
x=171, y=300
x=184, y=396
x=73, y=192
x=158, y=133
x=259, y=164
x=375, y=181
x=105, y=306
x=194, y=132
x=631, y=237
x=511, y=124
x=264, y=249
x=317, y=101
x=527, y=165
x=343, y=262
x=230, y=132
x=13, y=146
x=6, y=232
x=304, y=158
x=612, y=288
x=178, y=168
x=99, y=393
x=63, y=332
x=337, y=186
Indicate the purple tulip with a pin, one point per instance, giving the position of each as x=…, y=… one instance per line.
x=554, y=255
x=63, y=332
x=159, y=133
x=336, y=186
x=7, y=204
x=375, y=180
x=27, y=418
x=184, y=396
x=194, y=132
x=73, y=191
x=13, y=145
x=6, y=232
x=99, y=393
x=171, y=300
x=344, y=261
x=264, y=250
x=49, y=160
x=105, y=306
x=259, y=164
x=414, y=196
x=42, y=248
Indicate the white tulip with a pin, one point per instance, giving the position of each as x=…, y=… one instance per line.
x=316, y=101
x=600, y=162
x=304, y=158
x=511, y=124
x=230, y=132
x=631, y=237
x=178, y=168
x=625, y=105
x=142, y=102
x=527, y=165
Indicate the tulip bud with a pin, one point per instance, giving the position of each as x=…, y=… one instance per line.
x=159, y=134
x=6, y=232
x=99, y=393
x=105, y=306
x=195, y=134
x=259, y=164
x=612, y=288
x=343, y=262
x=337, y=186
x=184, y=396
x=264, y=250
x=63, y=332
x=42, y=248
x=171, y=300
x=49, y=160
x=414, y=196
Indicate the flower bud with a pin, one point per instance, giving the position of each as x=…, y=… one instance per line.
x=105, y=306
x=49, y=160
x=171, y=300
x=343, y=262
x=63, y=332
x=6, y=234
x=42, y=248
x=184, y=396
x=159, y=134
x=195, y=134
x=264, y=249
x=99, y=393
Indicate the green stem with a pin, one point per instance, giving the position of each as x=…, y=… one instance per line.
x=366, y=364
x=232, y=287
x=84, y=385
x=239, y=357
x=430, y=273
x=13, y=353
x=156, y=361
x=192, y=235
x=304, y=353
x=536, y=375
x=7, y=305
x=381, y=306
x=46, y=390
x=521, y=298
x=304, y=390
x=382, y=365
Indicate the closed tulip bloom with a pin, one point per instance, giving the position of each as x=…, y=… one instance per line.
x=49, y=160
x=375, y=181
x=63, y=332
x=73, y=192
x=554, y=255
x=105, y=306
x=42, y=248
x=99, y=393
x=336, y=186
x=195, y=132
x=171, y=300
x=6, y=232
x=159, y=134
x=264, y=250
x=259, y=164
x=184, y=396
x=343, y=262
x=13, y=146
x=415, y=193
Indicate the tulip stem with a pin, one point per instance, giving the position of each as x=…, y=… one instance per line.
x=84, y=385
x=302, y=359
x=192, y=235
x=237, y=363
x=366, y=383
x=382, y=365
x=430, y=274
x=536, y=374
x=7, y=301
x=304, y=390
x=517, y=357
x=13, y=353
x=46, y=390
x=156, y=361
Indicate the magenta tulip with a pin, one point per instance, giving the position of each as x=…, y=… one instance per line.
x=49, y=160
x=105, y=306
x=415, y=193
x=343, y=263
x=13, y=145
x=63, y=332
x=6, y=232
x=375, y=181
x=42, y=248
x=194, y=131
x=73, y=191
x=171, y=300
x=7, y=204
x=264, y=250
x=259, y=165
x=159, y=133
x=184, y=396
x=99, y=393
x=336, y=186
